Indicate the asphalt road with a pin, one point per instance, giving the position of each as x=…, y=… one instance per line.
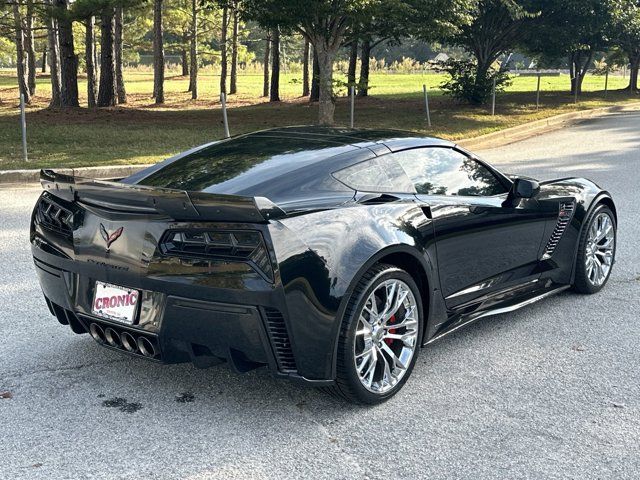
x=551, y=391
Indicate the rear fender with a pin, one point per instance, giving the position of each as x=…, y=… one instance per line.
x=323, y=255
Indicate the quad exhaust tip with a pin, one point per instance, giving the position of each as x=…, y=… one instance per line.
x=146, y=347
x=97, y=333
x=112, y=337
x=124, y=340
x=128, y=342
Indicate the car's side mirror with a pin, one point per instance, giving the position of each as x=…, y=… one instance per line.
x=524, y=188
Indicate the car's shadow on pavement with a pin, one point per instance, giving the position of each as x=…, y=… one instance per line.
x=129, y=384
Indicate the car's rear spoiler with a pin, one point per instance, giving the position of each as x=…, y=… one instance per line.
x=177, y=204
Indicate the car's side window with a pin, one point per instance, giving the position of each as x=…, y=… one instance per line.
x=444, y=171
x=381, y=174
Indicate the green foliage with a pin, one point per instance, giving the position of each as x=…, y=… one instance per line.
x=567, y=26
x=466, y=85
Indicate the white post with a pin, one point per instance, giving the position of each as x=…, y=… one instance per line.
x=353, y=104
x=23, y=121
x=493, y=98
x=538, y=93
x=426, y=104
x=225, y=121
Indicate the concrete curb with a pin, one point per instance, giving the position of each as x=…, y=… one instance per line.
x=537, y=127
x=490, y=140
x=106, y=172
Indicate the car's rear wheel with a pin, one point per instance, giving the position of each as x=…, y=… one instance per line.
x=380, y=336
x=596, y=251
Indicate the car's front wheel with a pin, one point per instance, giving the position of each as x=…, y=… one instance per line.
x=380, y=336
x=596, y=251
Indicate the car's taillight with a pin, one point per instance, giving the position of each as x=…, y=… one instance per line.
x=246, y=246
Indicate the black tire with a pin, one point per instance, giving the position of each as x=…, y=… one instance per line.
x=348, y=385
x=582, y=283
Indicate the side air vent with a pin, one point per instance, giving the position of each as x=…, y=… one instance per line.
x=280, y=340
x=54, y=217
x=564, y=217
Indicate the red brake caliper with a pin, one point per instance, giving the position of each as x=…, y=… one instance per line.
x=389, y=341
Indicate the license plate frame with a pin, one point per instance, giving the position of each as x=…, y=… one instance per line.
x=115, y=302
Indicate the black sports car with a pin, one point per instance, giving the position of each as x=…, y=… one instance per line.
x=328, y=255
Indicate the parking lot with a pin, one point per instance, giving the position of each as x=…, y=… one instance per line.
x=550, y=391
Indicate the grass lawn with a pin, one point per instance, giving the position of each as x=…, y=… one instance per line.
x=140, y=132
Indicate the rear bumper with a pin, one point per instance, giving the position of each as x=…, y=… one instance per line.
x=184, y=321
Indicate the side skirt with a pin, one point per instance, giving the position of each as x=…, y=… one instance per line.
x=471, y=318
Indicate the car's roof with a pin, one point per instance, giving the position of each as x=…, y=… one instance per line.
x=359, y=137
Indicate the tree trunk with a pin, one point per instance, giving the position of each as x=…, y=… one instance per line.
x=305, y=69
x=633, y=73
x=274, y=94
x=184, y=59
x=20, y=60
x=223, y=50
x=43, y=68
x=89, y=53
x=107, y=91
x=54, y=61
x=353, y=62
x=118, y=48
x=193, y=71
x=233, y=87
x=363, y=83
x=314, y=95
x=68, y=59
x=30, y=48
x=158, y=53
x=325, y=100
x=578, y=66
x=265, y=63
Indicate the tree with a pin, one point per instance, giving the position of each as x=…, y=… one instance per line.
x=193, y=51
x=495, y=28
x=54, y=60
x=158, y=53
x=223, y=49
x=90, y=53
x=30, y=48
x=626, y=35
x=265, y=63
x=573, y=29
x=353, y=61
x=233, y=87
x=68, y=59
x=107, y=93
x=274, y=90
x=20, y=54
x=118, y=49
x=322, y=22
x=305, y=68
x=314, y=94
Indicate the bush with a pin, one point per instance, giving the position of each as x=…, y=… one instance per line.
x=464, y=83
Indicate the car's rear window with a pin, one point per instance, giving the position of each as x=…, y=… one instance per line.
x=234, y=166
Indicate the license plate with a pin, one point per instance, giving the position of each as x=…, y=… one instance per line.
x=115, y=303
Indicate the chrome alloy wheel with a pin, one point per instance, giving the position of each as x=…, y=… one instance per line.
x=599, y=249
x=386, y=336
